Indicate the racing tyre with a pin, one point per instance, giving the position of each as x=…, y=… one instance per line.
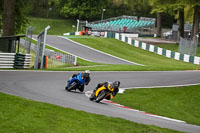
x=66, y=88
x=72, y=86
x=101, y=96
x=92, y=97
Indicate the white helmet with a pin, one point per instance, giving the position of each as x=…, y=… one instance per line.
x=87, y=71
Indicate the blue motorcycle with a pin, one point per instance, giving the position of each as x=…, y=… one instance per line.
x=76, y=82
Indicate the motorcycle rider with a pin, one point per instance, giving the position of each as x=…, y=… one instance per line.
x=86, y=76
x=115, y=85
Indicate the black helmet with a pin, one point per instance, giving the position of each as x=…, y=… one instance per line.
x=116, y=84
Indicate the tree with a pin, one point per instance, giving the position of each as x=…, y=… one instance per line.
x=195, y=27
x=9, y=17
x=195, y=4
x=158, y=7
x=82, y=9
x=172, y=7
x=14, y=19
x=41, y=8
x=138, y=7
x=1, y=9
x=196, y=15
x=159, y=24
x=181, y=22
x=177, y=9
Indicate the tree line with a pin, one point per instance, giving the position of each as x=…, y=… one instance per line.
x=167, y=12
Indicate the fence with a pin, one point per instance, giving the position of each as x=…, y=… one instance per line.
x=172, y=35
x=14, y=60
x=55, y=57
x=60, y=57
x=7, y=60
x=155, y=49
x=188, y=46
x=41, y=42
x=28, y=40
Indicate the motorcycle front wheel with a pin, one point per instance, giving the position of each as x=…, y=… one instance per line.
x=72, y=86
x=101, y=96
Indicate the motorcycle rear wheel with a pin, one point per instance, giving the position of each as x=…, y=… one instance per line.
x=66, y=88
x=92, y=97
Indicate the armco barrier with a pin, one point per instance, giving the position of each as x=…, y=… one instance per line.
x=154, y=49
x=13, y=60
x=22, y=61
x=7, y=60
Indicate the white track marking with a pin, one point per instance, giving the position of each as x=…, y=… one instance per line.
x=160, y=86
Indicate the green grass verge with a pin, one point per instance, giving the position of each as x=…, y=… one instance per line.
x=152, y=62
x=26, y=116
x=58, y=26
x=181, y=103
x=172, y=47
x=123, y=50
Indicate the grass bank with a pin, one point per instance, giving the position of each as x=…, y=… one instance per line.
x=27, y=116
x=123, y=50
x=58, y=26
x=152, y=62
x=180, y=103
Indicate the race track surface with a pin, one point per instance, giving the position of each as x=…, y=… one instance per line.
x=49, y=87
x=83, y=51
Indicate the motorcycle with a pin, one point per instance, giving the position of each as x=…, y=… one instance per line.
x=75, y=82
x=101, y=93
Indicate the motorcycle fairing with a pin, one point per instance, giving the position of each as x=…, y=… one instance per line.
x=79, y=78
x=104, y=88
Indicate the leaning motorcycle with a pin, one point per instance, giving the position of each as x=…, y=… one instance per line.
x=75, y=82
x=101, y=93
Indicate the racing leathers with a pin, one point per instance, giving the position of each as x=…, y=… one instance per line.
x=87, y=80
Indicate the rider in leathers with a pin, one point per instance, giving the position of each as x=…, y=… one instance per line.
x=86, y=76
x=115, y=85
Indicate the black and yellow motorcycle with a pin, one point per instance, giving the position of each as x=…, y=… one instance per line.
x=101, y=93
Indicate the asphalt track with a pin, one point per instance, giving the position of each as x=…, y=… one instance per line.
x=84, y=52
x=49, y=87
